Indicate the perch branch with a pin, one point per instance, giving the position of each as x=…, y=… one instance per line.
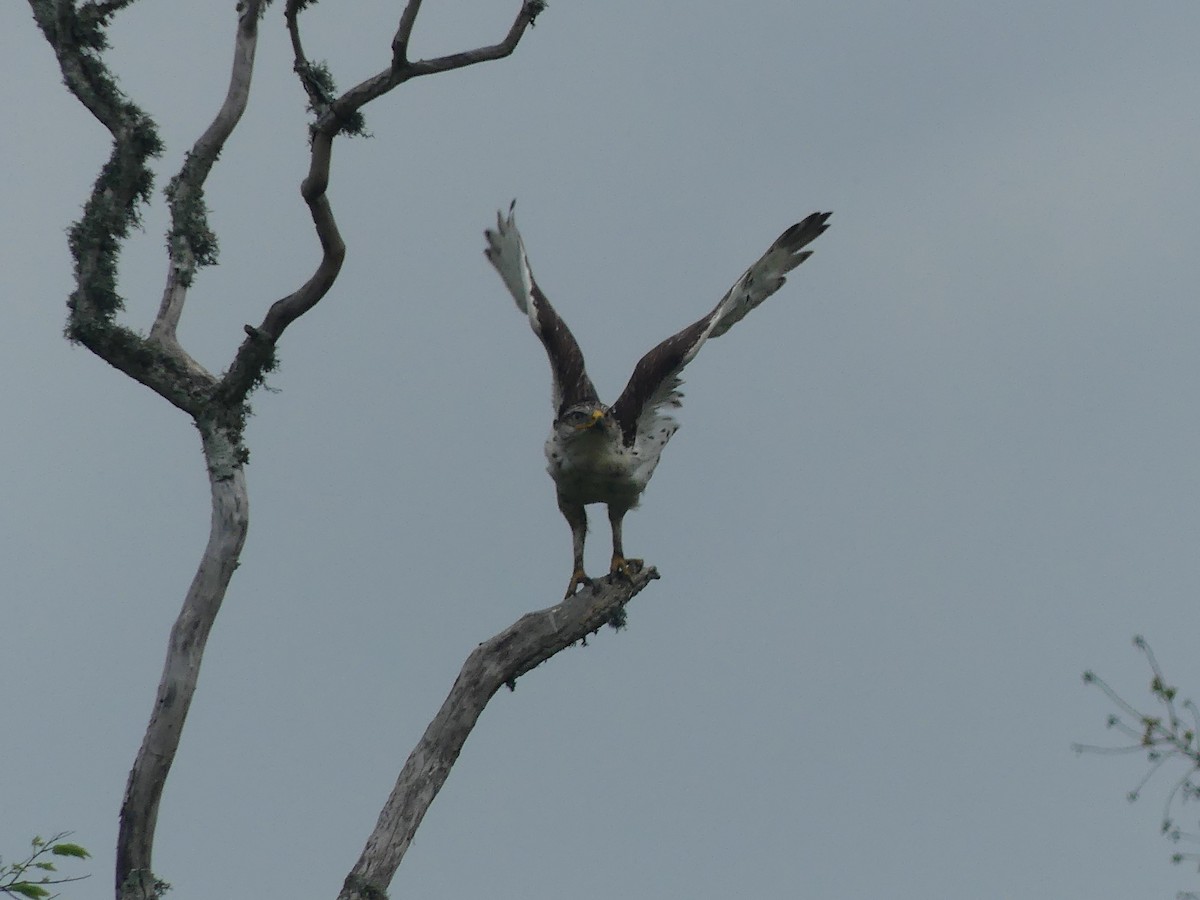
x=530, y=641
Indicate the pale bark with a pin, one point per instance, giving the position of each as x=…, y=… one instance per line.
x=76, y=31
x=181, y=671
x=527, y=643
x=162, y=365
x=187, y=191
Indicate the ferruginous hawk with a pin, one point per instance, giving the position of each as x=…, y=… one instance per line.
x=606, y=454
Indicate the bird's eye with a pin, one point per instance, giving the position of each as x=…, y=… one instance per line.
x=576, y=417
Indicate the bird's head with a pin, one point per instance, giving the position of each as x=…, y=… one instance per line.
x=583, y=418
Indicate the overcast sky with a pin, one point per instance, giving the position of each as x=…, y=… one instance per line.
x=951, y=465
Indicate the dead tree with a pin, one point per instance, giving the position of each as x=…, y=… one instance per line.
x=218, y=406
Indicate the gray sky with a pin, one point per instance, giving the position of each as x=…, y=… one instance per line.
x=950, y=466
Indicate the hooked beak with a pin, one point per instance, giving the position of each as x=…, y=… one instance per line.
x=597, y=415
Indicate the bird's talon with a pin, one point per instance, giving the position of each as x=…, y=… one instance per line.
x=626, y=567
x=578, y=579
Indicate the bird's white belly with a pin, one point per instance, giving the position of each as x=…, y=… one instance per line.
x=598, y=471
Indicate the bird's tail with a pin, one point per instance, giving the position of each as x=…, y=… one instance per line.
x=506, y=251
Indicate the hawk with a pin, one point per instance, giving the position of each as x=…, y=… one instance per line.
x=606, y=454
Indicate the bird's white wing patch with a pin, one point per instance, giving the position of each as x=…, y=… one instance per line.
x=767, y=275
x=506, y=252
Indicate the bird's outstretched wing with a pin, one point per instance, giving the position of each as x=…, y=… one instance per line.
x=506, y=251
x=655, y=381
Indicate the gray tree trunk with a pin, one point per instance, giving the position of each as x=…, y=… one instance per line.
x=76, y=32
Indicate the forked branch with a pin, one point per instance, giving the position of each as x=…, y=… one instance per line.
x=255, y=354
x=525, y=18
x=77, y=33
x=401, y=70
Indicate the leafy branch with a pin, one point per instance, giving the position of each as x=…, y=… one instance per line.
x=30, y=877
x=1168, y=734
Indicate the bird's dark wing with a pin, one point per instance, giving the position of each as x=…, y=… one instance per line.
x=506, y=251
x=655, y=381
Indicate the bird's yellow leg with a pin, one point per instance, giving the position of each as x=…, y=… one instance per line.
x=578, y=579
x=620, y=564
x=577, y=519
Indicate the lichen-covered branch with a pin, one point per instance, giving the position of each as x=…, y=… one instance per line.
x=78, y=38
x=77, y=35
x=500, y=661
x=76, y=30
x=191, y=244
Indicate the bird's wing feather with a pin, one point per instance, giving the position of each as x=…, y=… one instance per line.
x=506, y=251
x=655, y=381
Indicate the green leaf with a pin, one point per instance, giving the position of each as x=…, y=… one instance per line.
x=66, y=849
x=25, y=889
x=45, y=866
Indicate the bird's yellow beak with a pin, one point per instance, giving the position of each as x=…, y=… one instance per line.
x=597, y=415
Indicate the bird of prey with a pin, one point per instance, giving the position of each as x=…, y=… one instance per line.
x=606, y=454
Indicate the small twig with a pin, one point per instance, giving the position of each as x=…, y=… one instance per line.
x=1106, y=751
x=1159, y=685
x=1163, y=741
x=13, y=876
x=1092, y=678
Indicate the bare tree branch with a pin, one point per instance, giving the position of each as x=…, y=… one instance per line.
x=529, y=12
x=401, y=71
x=529, y=642
x=255, y=355
x=404, y=32
x=218, y=407
x=185, y=651
x=78, y=38
x=333, y=250
x=190, y=243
